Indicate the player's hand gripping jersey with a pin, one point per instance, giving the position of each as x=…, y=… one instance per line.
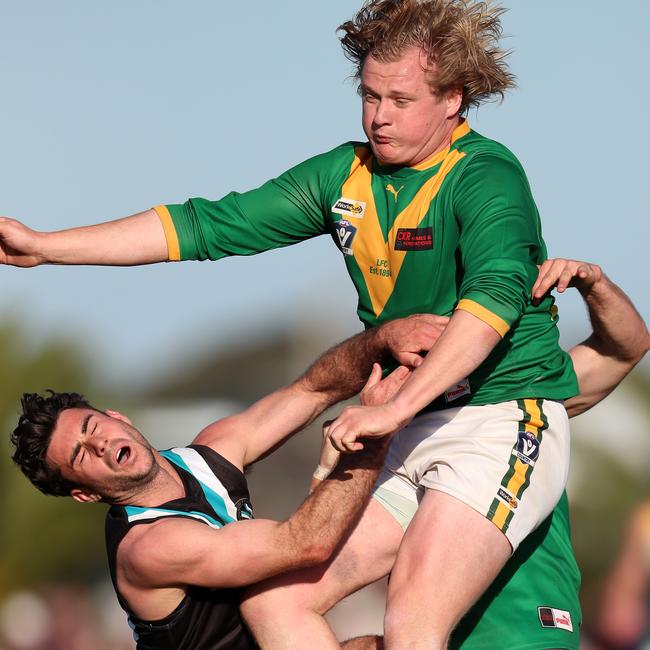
x=457, y=231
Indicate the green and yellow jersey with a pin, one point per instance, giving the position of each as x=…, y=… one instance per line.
x=457, y=231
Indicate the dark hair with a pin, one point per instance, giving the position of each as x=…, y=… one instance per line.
x=32, y=438
x=459, y=37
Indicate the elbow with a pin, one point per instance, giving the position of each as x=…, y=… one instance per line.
x=314, y=550
x=306, y=545
x=627, y=353
x=317, y=552
x=644, y=347
x=636, y=352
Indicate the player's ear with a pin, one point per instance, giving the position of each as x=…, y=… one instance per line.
x=118, y=416
x=454, y=99
x=83, y=496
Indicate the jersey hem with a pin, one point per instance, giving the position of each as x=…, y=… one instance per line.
x=490, y=318
x=173, y=246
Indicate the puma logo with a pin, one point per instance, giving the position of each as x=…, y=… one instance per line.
x=393, y=191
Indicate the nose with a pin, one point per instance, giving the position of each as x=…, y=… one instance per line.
x=382, y=114
x=97, y=445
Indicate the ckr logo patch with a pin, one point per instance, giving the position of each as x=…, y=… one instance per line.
x=550, y=617
x=349, y=208
x=345, y=232
x=414, y=239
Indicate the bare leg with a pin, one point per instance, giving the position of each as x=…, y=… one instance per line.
x=449, y=556
x=287, y=611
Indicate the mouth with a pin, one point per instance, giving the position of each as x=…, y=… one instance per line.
x=123, y=454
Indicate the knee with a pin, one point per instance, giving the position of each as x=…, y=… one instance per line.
x=410, y=625
x=277, y=603
x=257, y=607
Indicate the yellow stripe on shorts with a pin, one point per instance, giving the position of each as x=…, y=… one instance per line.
x=517, y=478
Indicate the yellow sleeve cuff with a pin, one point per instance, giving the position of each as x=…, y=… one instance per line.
x=173, y=247
x=495, y=322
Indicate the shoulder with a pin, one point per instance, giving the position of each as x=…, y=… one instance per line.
x=485, y=155
x=474, y=144
x=488, y=167
x=146, y=552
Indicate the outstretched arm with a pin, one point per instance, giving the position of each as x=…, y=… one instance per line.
x=338, y=374
x=619, y=339
x=138, y=239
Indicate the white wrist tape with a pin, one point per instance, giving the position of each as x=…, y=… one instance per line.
x=321, y=473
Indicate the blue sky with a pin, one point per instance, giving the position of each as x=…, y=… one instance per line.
x=110, y=108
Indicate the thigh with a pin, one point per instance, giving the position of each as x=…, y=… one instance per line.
x=366, y=555
x=541, y=578
x=448, y=557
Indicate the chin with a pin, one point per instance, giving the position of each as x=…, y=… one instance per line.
x=389, y=157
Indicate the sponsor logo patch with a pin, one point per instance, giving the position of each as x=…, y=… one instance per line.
x=550, y=617
x=391, y=188
x=345, y=232
x=460, y=389
x=349, y=208
x=527, y=448
x=507, y=498
x=414, y=239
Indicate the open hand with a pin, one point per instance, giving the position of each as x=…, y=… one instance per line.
x=407, y=338
x=561, y=274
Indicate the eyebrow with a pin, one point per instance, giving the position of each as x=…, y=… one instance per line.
x=77, y=447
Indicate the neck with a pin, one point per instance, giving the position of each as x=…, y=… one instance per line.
x=443, y=139
x=164, y=485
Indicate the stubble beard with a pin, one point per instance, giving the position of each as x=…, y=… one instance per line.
x=124, y=487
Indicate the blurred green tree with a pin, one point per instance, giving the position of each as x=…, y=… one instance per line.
x=43, y=539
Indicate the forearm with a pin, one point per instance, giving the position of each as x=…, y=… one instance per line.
x=618, y=342
x=618, y=329
x=138, y=239
x=342, y=371
x=463, y=346
x=318, y=526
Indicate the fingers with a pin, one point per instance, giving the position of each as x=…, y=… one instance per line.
x=545, y=280
x=345, y=442
x=431, y=320
x=562, y=274
x=410, y=359
x=381, y=392
x=407, y=337
x=326, y=427
x=342, y=432
x=374, y=378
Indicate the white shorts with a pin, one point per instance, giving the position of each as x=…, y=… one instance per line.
x=508, y=461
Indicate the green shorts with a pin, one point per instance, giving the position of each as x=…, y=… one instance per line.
x=533, y=603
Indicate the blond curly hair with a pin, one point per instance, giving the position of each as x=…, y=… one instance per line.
x=459, y=37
